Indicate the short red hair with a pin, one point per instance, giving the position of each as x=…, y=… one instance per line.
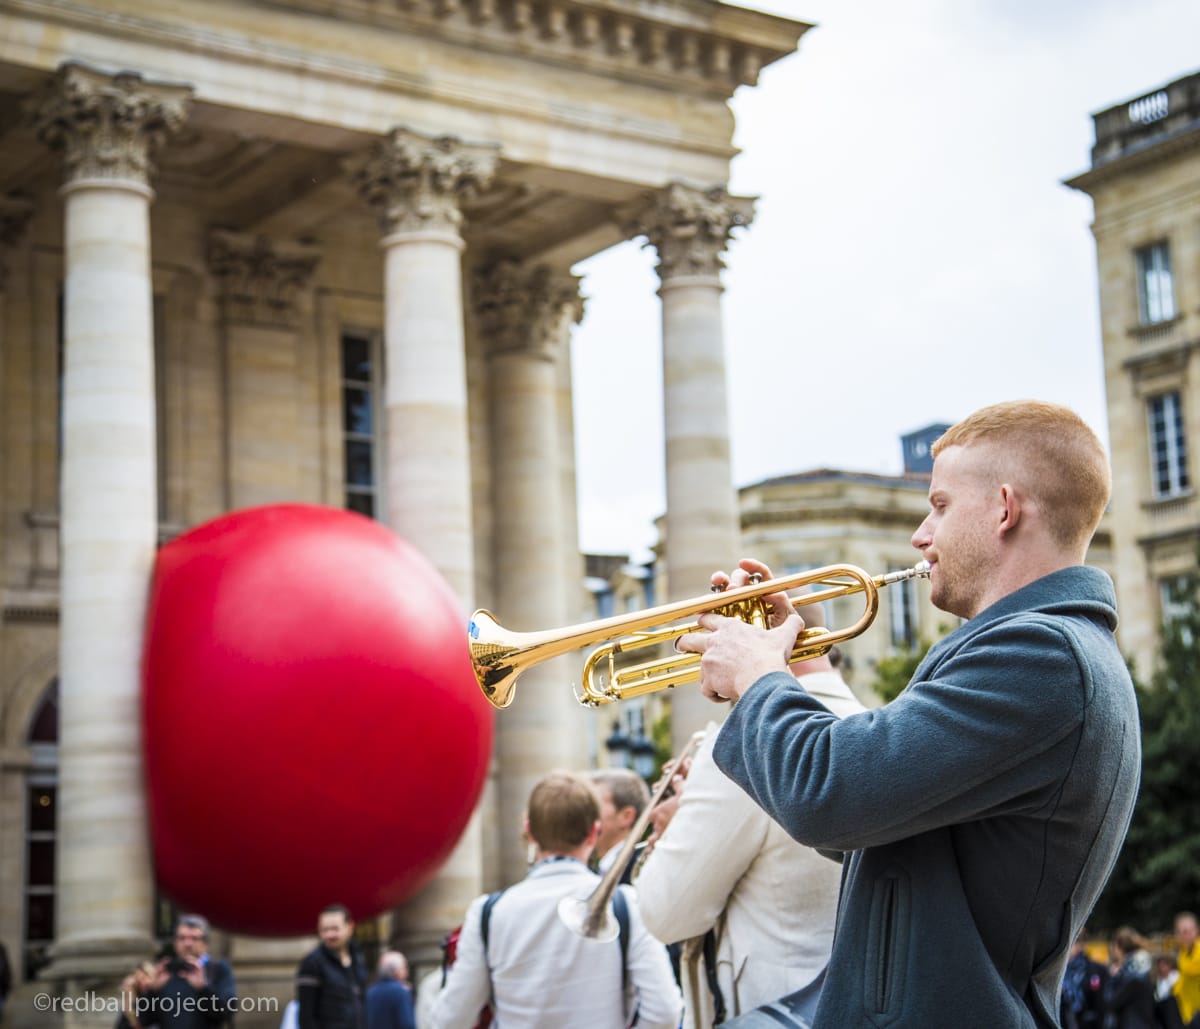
x=1049, y=452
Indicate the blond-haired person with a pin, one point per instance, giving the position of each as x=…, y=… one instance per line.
x=982, y=810
x=1187, y=986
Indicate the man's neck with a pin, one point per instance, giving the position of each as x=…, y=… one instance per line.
x=580, y=853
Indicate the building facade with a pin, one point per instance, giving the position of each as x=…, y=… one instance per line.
x=1144, y=182
x=320, y=251
x=798, y=523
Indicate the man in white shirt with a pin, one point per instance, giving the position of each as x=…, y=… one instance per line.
x=623, y=797
x=534, y=971
x=722, y=864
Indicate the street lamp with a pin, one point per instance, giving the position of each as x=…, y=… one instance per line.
x=618, y=747
x=644, y=756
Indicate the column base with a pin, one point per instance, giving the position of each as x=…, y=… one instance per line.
x=80, y=988
x=97, y=958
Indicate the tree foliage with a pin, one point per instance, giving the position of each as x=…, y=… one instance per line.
x=1158, y=871
x=892, y=674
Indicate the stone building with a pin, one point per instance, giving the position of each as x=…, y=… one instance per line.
x=1145, y=184
x=321, y=250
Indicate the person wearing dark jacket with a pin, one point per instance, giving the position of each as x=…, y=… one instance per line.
x=1083, y=985
x=981, y=812
x=1129, y=993
x=331, y=981
x=389, y=998
x=189, y=990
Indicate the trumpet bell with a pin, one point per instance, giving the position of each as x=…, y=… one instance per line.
x=492, y=655
x=592, y=922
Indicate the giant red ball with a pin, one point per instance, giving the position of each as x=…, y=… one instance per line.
x=313, y=729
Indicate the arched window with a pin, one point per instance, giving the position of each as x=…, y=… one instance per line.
x=41, y=829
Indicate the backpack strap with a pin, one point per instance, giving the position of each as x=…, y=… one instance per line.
x=485, y=917
x=621, y=910
x=710, y=973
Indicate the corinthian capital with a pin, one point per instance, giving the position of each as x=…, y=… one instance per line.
x=106, y=126
x=526, y=310
x=261, y=281
x=690, y=228
x=415, y=183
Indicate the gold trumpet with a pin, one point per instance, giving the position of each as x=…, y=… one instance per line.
x=500, y=655
x=589, y=916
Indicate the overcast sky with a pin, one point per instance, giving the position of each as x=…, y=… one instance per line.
x=914, y=254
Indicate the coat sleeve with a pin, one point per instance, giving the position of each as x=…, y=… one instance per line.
x=308, y=992
x=469, y=985
x=713, y=838
x=949, y=749
x=656, y=994
x=222, y=989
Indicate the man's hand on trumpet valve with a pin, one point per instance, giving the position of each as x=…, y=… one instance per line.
x=748, y=571
x=735, y=654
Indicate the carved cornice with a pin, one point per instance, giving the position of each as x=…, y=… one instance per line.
x=106, y=126
x=261, y=280
x=690, y=227
x=1161, y=367
x=526, y=310
x=418, y=183
x=15, y=212
x=707, y=46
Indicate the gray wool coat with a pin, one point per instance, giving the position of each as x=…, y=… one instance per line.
x=980, y=812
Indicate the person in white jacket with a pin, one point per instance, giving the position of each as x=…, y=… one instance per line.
x=534, y=971
x=721, y=864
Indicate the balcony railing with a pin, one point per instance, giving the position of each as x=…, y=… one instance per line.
x=1147, y=119
x=1171, y=510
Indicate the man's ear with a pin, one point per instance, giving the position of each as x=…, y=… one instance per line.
x=1011, y=515
x=594, y=835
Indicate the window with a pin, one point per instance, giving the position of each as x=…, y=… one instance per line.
x=1168, y=445
x=902, y=599
x=1156, y=298
x=360, y=423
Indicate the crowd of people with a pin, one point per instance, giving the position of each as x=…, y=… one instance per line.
x=1134, y=986
x=956, y=838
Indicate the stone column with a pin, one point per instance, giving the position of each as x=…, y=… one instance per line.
x=106, y=126
x=579, y=601
x=416, y=185
x=690, y=229
x=524, y=316
x=271, y=436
